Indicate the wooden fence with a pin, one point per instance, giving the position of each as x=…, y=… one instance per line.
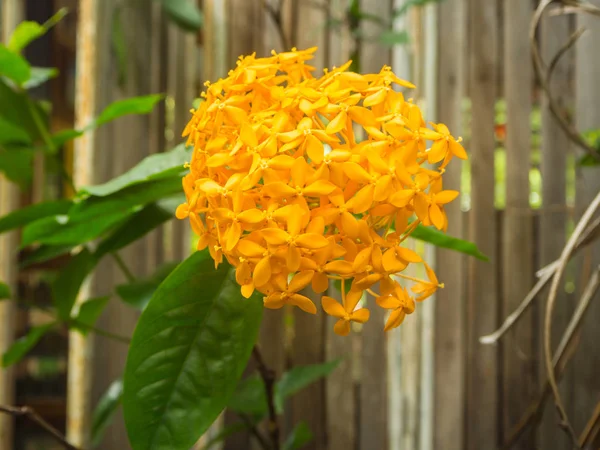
x=429, y=385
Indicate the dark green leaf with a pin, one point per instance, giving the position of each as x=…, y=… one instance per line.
x=4, y=291
x=94, y=216
x=442, y=240
x=137, y=226
x=592, y=137
x=300, y=377
x=299, y=437
x=225, y=432
x=139, y=292
x=39, y=75
x=11, y=133
x=89, y=312
x=133, y=105
x=392, y=37
x=23, y=216
x=28, y=31
x=250, y=398
x=184, y=13
x=22, y=346
x=156, y=166
x=14, y=66
x=119, y=44
x=68, y=282
x=105, y=410
x=44, y=253
x=588, y=160
x=17, y=164
x=19, y=112
x=188, y=352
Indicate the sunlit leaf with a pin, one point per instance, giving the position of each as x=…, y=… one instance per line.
x=443, y=240
x=39, y=75
x=133, y=105
x=24, y=345
x=14, y=66
x=11, y=133
x=105, y=410
x=27, y=31
x=152, y=167
x=139, y=292
x=189, y=349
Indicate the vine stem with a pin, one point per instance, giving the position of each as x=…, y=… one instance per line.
x=268, y=377
x=26, y=411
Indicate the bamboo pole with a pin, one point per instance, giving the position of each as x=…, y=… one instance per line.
x=79, y=382
x=12, y=14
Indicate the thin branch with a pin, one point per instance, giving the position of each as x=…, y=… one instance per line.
x=123, y=266
x=268, y=377
x=564, y=259
x=592, y=428
x=565, y=350
x=277, y=17
x=564, y=49
x=28, y=412
x=538, y=65
x=545, y=274
x=264, y=443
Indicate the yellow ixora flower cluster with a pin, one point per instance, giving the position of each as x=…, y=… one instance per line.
x=298, y=180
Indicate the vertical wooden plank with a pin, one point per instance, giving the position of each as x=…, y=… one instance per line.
x=373, y=431
x=12, y=14
x=340, y=401
x=587, y=358
x=308, y=345
x=450, y=304
x=555, y=147
x=482, y=316
x=518, y=350
x=80, y=370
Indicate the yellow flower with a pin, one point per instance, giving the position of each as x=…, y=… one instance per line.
x=297, y=180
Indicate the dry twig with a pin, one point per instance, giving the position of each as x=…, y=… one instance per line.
x=268, y=377
x=28, y=412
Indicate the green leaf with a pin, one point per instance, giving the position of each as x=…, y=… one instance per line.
x=22, y=346
x=89, y=312
x=442, y=240
x=62, y=137
x=39, y=75
x=137, y=226
x=44, y=253
x=300, y=377
x=189, y=349
x=23, y=216
x=250, y=398
x=392, y=37
x=156, y=166
x=592, y=137
x=139, y=292
x=4, y=291
x=19, y=112
x=94, y=216
x=184, y=13
x=67, y=284
x=28, y=31
x=134, y=105
x=105, y=410
x=14, y=66
x=299, y=437
x=17, y=165
x=11, y=133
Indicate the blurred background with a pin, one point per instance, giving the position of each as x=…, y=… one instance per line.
x=430, y=384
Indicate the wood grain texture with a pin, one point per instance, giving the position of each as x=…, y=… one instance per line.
x=587, y=112
x=556, y=146
x=450, y=302
x=373, y=429
x=519, y=354
x=482, y=316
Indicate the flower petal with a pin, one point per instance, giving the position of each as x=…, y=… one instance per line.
x=332, y=307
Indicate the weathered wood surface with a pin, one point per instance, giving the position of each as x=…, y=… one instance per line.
x=482, y=315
